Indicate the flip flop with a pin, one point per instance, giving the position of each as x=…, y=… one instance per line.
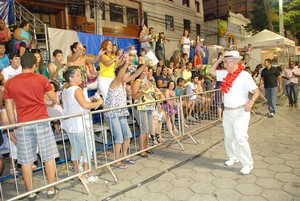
x=144, y=155
x=129, y=161
x=121, y=166
x=33, y=167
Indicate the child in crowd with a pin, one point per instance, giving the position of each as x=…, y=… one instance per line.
x=54, y=109
x=204, y=99
x=41, y=67
x=142, y=57
x=191, y=90
x=4, y=60
x=158, y=118
x=91, y=73
x=133, y=54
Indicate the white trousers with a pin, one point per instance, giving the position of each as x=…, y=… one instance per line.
x=103, y=85
x=236, y=123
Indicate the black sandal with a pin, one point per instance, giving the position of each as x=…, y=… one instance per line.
x=158, y=138
x=51, y=194
x=144, y=155
x=32, y=197
x=154, y=140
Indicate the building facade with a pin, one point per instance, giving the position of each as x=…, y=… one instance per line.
x=216, y=9
x=109, y=17
x=172, y=17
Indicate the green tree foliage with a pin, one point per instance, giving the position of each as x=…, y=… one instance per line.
x=259, y=20
x=292, y=17
x=291, y=13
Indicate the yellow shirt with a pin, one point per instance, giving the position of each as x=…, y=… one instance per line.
x=107, y=71
x=186, y=74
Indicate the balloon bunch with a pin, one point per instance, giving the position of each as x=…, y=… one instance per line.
x=230, y=77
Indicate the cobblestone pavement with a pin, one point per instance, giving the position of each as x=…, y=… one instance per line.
x=198, y=172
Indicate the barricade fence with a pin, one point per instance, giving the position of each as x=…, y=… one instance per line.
x=111, y=141
x=37, y=138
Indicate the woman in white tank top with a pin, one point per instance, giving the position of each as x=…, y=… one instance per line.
x=185, y=42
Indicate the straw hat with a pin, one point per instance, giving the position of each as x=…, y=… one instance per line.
x=232, y=55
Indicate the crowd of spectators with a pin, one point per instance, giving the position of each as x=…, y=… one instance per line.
x=120, y=78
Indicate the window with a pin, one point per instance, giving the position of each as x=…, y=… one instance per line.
x=198, y=29
x=169, y=23
x=100, y=6
x=76, y=10
x=197, y=6
x=187, y=25
x=186, y=3
x=116, y=13
x=145, y=18
x=132, y=16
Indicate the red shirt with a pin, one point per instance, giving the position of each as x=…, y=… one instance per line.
x=198, y=60
x=28, y=90
x=3, y=34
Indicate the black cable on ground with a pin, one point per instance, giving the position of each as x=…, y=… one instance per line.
x=161, y=173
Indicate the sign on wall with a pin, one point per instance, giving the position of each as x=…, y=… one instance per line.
x=297, y=50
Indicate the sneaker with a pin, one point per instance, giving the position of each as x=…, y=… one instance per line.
x=246, y=169
x=92, y=179
x=231, y=162
x=296, y=105
x=271, y=115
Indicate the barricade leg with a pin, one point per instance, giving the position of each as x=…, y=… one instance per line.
x=181, y=116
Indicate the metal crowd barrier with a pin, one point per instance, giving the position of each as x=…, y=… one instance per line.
x=14, y=190
x=103, y=143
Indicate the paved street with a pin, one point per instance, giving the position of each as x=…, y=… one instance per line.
x=198, y=173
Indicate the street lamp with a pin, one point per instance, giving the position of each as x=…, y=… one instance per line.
x=281, y=25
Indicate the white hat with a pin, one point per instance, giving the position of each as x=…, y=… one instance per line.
x=232, y=55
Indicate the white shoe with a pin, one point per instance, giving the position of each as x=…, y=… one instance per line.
x=191, y=118
x=231, y=162
x=92, y=179
x=246, y=169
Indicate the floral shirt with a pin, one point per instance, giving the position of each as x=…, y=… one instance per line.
x=116, y=98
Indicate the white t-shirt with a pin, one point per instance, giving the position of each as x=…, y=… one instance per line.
x=8, y=72
x=238, y=93
x=220, y=74
x=190, y=90
x=71, y=106
x=288, y=73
